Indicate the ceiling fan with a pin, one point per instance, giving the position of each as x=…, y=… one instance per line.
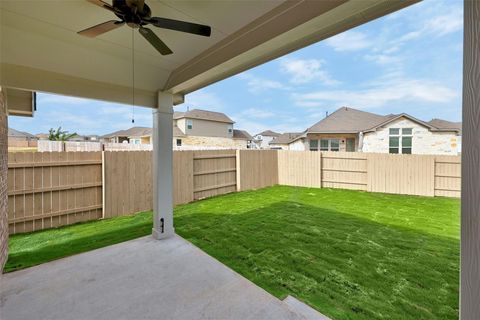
x=137, y=14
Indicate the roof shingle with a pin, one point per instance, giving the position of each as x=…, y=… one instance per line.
x=348, y=120
x=286, y=138
x=203, y=115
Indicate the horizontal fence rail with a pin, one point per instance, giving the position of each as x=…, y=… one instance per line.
x=51, y=189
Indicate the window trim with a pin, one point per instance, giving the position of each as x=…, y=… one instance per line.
x=329, y=144
x=400, y=135
x=189, y=124
x=177, y=142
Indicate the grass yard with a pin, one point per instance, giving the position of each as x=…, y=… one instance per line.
x=350, y=254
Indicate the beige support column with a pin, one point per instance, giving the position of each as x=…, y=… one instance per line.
x=470, y=221
x=3, y=181
x=162, y=167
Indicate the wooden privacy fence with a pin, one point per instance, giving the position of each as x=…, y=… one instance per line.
x=53, y=189
x=49, y=189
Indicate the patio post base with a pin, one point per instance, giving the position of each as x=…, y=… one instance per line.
x=162, y=235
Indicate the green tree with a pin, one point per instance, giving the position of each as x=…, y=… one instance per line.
x=59, y=135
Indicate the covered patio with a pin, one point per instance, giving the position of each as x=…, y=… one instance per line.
x=141, y=279
x=41, y=51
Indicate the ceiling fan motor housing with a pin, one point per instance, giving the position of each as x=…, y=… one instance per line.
x=132, y=12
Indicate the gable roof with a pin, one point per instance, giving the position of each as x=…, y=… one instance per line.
x=286, y=138
x=241, y=134
x=444, y=124
x=12, y=133
x=268, y=133
x=203, y=115
x=132, y=132
x=177, y=132
x=347, y=120
x=425, y=124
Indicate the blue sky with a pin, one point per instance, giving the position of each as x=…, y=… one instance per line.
x=409, y=61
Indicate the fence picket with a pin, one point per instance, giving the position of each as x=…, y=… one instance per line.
x=51, y=189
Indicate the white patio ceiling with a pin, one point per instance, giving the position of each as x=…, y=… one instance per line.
x=41, y=51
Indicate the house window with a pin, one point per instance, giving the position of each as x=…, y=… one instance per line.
x=189, y=124
x=324, y=145
x=329, y=145
x=230, y=129
x=313, y=145
x=400, y=141
x=179, y=142
x=350, y=147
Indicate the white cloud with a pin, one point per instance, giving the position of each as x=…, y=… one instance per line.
x=438, y=21
x=256, y=84
x=349, y=41
x=258, y=113
x=304, y=71
x=203, y=99
x=408, y=91
x=383, y=58
x=447, y=23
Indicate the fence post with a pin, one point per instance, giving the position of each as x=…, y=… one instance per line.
x=237, y=170
x=103, y=184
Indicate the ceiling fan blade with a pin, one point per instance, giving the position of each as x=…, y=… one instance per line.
x=102, y=4
x=101, y=28
x=182, y=26
x=155, y=41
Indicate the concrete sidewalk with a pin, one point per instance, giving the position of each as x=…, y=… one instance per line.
x=138, y=279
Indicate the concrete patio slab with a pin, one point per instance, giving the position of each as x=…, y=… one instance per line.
x=138, y=279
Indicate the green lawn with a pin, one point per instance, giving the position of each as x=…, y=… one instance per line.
x=350, y=254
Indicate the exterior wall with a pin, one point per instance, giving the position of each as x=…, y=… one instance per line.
x=140, y=140
x=198, y=142
x=298, y=145
x=21, y=143
x=205, y=128
x=3, y=182
x=263, y=142
x=341, y=136
x=424, y=141
x=279, y=146
x=181, y=124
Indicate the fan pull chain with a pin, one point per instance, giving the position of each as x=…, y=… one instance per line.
x=133, y=75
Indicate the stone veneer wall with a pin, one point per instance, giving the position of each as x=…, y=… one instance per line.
x=424, y=141
x=210, y=142
x=3, y=182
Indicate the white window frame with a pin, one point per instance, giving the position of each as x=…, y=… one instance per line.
x=230, y=128
x=310, y=145
x=189, y=124
x=400, y=135
x=329, y=144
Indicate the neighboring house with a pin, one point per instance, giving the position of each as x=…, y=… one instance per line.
x=202, y=129
x=348, y=129
x=204, y=123
x=290, y=141
x=42, y=136
x=134, y=135
x=15, y=135
x=242, y=135
x=21, y=139
x=262, y=140
x=194, y=129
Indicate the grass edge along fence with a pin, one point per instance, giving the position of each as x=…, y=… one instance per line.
x=51, y=189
